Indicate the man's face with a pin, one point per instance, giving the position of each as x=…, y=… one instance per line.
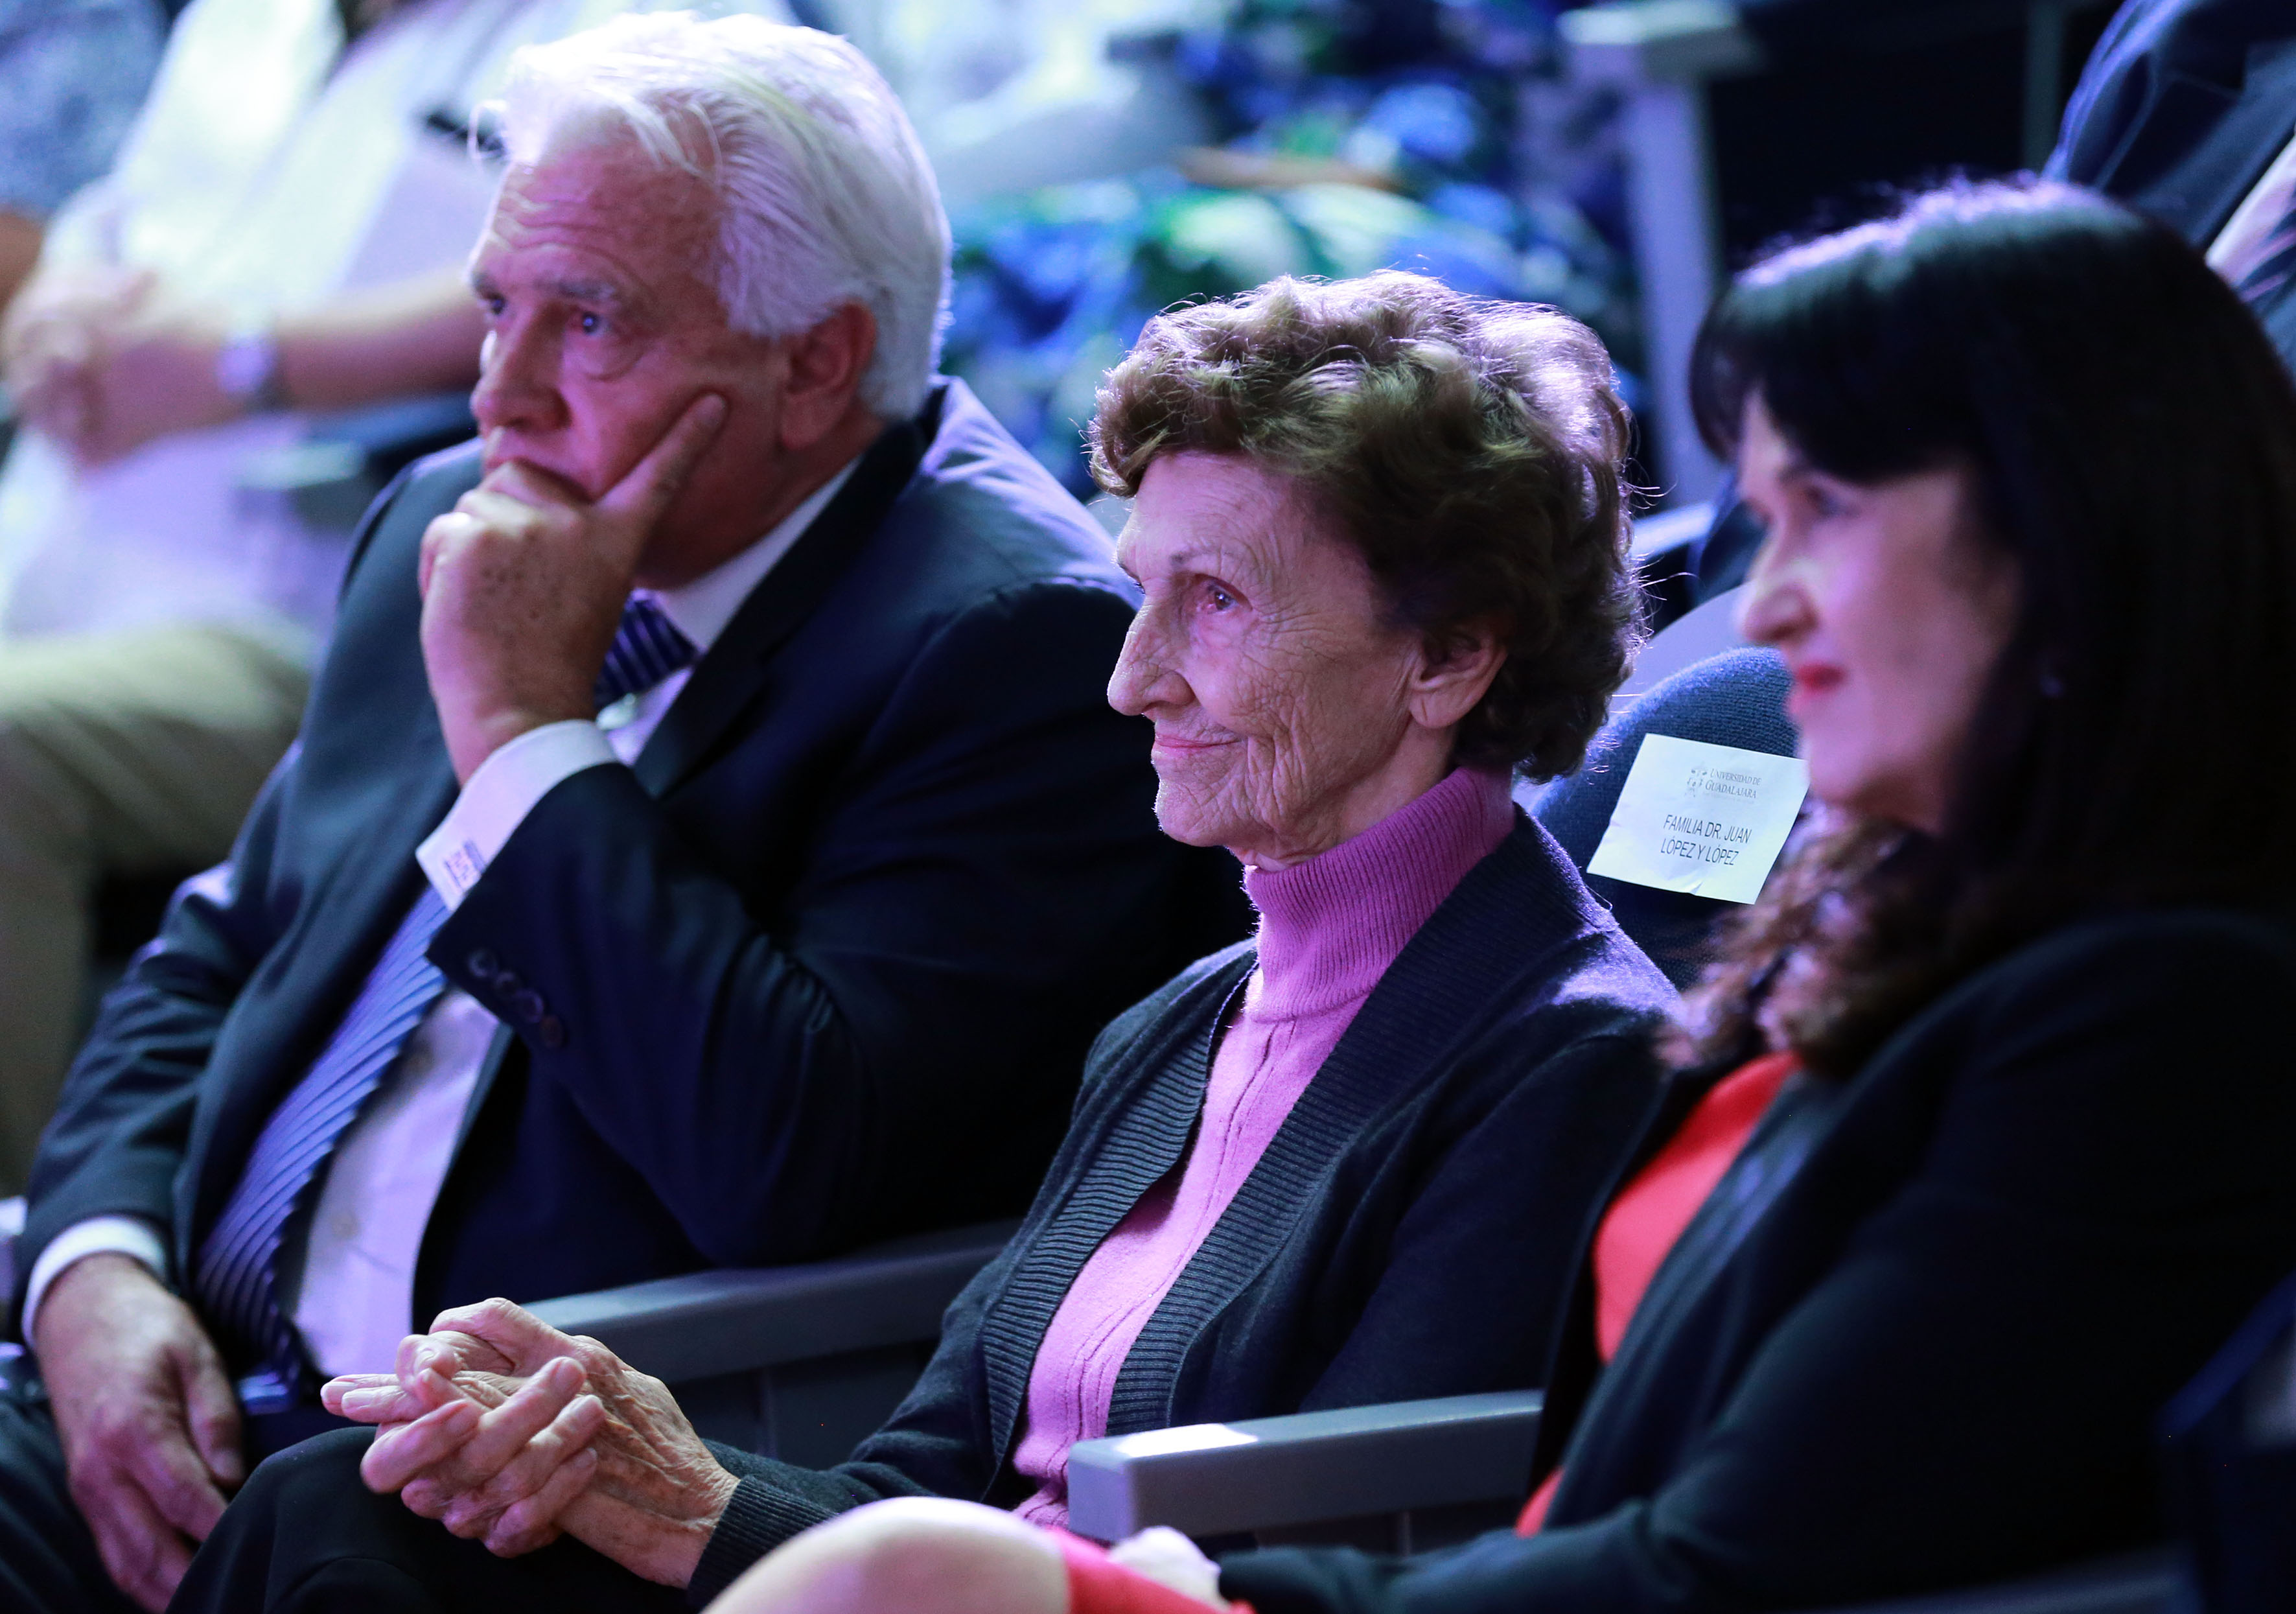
x=604, y=325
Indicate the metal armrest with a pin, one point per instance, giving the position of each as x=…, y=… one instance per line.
x=705, y=1324
x=1270, y=1475
x=1273, y=1473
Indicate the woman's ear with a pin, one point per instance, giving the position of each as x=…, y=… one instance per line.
x=1455, y=672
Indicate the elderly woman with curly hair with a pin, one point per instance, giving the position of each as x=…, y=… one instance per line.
x=1377, y=531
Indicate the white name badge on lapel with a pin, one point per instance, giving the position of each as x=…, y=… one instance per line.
x=1706, y=820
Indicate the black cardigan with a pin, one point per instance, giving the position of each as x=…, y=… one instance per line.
x=1918, y=1336
x=1468, y=1124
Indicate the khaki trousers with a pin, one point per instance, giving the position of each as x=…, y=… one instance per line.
x=135, y=752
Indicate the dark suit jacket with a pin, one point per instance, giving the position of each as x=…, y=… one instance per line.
x=1410, y=1231
x=2183, y=106
x=821, y=967
x=1918, y=1334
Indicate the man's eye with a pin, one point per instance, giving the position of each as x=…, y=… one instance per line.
x=1217, y=597
x=590, y=325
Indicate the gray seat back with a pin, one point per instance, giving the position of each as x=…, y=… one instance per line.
x=1736, y=698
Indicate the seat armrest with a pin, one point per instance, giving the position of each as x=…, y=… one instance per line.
x=1272, y=1473
x=741, y=1319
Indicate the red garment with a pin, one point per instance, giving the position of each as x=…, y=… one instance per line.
x=1651, y=1212
x=1097, y=1584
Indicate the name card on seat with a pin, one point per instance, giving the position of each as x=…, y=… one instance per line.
x=1706, y=820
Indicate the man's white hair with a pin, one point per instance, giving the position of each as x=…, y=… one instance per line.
x=826, y=194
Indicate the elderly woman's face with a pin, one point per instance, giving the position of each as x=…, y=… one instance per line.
x=1290, y=714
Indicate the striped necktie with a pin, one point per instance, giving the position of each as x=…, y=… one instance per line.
x=234, y=1277
x=647, y=649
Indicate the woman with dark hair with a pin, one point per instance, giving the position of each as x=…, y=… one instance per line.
x=1379, y=534
x=1984, y=1135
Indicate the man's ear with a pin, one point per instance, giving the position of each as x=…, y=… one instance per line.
x=1455, y=672
x=826, y=365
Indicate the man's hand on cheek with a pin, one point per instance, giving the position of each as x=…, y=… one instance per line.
x=522, y=587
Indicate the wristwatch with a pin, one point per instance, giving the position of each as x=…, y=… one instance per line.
x=247, y=370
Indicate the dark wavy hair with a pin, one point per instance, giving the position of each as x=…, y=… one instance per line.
x=1470, y=449
x=2132, y=435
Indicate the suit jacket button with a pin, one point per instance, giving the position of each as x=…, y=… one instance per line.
x=527, y=1006
x=483, y=964
x=552, y=1032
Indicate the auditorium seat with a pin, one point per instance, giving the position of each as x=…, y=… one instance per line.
x=794, y=1362
x=1734, y=698
x=1704, y=631
x=1418, y=1475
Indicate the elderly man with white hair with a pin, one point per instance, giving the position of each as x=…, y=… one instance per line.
x=708, y=844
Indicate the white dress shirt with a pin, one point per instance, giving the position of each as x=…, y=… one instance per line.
x=354, y=1298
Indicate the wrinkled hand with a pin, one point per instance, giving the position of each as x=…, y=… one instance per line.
x=149, y=1423
x=1171, y=1561
x=106, y=360
x=509, y=1432
x=524, y=583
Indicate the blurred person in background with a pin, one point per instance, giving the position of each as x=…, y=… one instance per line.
x=282, y=233
x=72, y=73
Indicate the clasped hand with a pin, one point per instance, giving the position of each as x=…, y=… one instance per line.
x=510, y=1433
x=104, y=360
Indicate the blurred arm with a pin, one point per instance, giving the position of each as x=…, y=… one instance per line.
x=420, y=335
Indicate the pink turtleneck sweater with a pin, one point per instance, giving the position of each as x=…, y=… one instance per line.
x=1328, y=928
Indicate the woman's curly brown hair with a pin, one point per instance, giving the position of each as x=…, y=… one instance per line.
x=1470, y=449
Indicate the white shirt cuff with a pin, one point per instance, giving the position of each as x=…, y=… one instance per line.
x=497, y=798
x=96, y=1236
